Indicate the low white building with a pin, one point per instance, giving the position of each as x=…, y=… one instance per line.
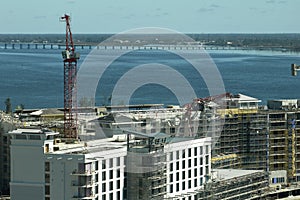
x=189, y=167
x=27, y=150
x=43, y=167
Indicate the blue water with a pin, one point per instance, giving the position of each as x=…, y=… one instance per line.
x=35, y=77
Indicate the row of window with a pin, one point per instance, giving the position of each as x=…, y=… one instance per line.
x=185, y=185
x=188, y=163
x=177, y=177
x=278, y=180
x=112, y=174
x=188, y=153
x=112, y=196
x=110, y=186
x=109, y=163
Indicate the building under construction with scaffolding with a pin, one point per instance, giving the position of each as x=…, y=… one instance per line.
x=260, y=138
x=242, y=133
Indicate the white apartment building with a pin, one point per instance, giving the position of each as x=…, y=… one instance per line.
x=43, y=167
x=188, y=167
x=27, y=150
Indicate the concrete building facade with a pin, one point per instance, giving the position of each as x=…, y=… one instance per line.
x=42, y=167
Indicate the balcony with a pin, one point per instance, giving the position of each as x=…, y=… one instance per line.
x=86, y=184
x=83, y=173
x=82, y=196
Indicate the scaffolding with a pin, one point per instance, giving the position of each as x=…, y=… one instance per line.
x=244, y=134
x=146, y=167
x=239, y=186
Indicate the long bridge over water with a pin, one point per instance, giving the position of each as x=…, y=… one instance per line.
x=134, y=47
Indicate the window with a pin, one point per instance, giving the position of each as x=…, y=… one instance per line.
x=104, y=176
x=189, y=162
x=201, y=161
x=244, y=105
x=206, y=149
x=111, y=196
x=118, y=161
x=195, y=172
x=206, y=170
x=201, y=170
x=183, y=164
x=111, y=174
x=195, y=151
x=201, y=150
x=103, y=187
x=111, y=163
x=171, y=167
x=47, y=190
x=189, y=184
x=183, y=185
x=118, y=173
x=171, y=156
x=206, y=159
x=195, y=182
x=183, y=175
x=177, y=176
x=177, y=165
x=104, y=197
x=103, y=164
x=172, y=130
x=195, y=161
x=177, y=187
x=47, y=178
x=190, y=152
x=47, y=166
x=183, y=153
x=177, y=155
x=201, y=181
x=118, y=184
x=278, y=180
x=96, y=165
x=171, y=178
x=189, y=173
x=171, y=188
x=118, y=195
x=111, y=185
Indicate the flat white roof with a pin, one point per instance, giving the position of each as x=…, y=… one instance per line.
x=33, y=131
x=245, y=98
x=225, y=174
x=89, y=146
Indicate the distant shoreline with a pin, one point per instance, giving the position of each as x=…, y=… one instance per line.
x=280, y=41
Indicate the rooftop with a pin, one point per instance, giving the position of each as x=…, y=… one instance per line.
x=33, y=131
x=83, y=147
x=226, y=174
x=244, y=98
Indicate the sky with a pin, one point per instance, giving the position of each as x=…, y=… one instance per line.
x=186, y=16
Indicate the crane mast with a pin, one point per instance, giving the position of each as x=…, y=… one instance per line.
x=70, y=94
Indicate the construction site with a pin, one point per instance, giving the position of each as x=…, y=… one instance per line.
x=225, y=146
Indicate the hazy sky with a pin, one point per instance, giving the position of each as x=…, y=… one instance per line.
x=188, y=16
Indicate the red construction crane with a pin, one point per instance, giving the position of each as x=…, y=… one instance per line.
x=70, y=70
